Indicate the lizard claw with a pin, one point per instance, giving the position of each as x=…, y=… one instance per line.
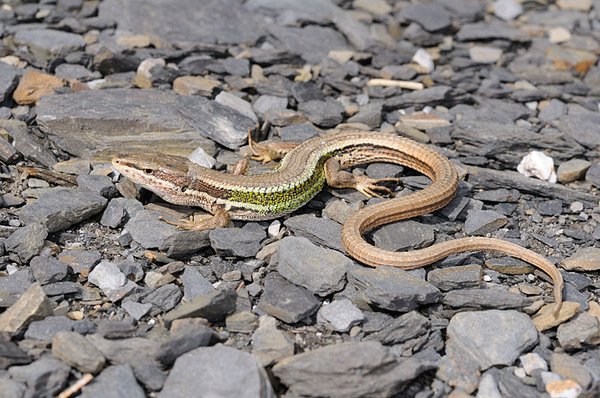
x=370, y=186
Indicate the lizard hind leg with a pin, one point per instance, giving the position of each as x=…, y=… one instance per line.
x=368, y=186
x=219, y=219
x=270, y=150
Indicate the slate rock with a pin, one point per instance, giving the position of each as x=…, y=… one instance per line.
x=12, y=388
x=11, y=354
x=76, y=351
x=321, y=231
x=584, y=259
x=213, y=306
x=128, y=115
x=217, y=371
x=593, y=175
x=486, y=298
x=341, y=315
x=75, y=72
x=136, y=310
x=553, y=207
x=552, y=111
x=241, y=322
x=391, y=288
x=326, y=113
x=432, y=17
x=348, y=369
x=398, y=330
x=48, y=44
x=8, y=81
x=238, y=104
x=184, y=339
x=27, y=241
x=99, y=184
x=45, y=377
x=165, y=298
x=584, y=330
x=48, y=269
x=194, y=283
x=581, y=127
x=269, y=103
x=46, y=328
x=60, y=208
x=483, y=222
x=109, y=278
x=270, y=344
x=298, y=132
x=450, y=278
x=570, y=368
x=238, y=242
x=114, y=382
x=430, y=96
x=181, y=21
x=31, y=306
x=474, y=336
x=286, y=301
x=487, y=31
x=80, y=261
x=120, y=210
x=318, y=269
x=404, y=235
x=312, y=42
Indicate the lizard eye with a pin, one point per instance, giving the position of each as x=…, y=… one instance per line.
x=148, y=171
x=184, y=188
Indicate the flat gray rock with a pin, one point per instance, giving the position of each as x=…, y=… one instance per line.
x=321, y=231
x=485, y=298
x=48, y=269
x=487, y=31
x=8, y=81
x=48, y=44
x=320, y=270
x=238, y=242
x=286, y=301
x=214, y=306
x=312, y=42
x=11, y=388
x=474, y=336
x=449, y=278
x=391, y=288
x=123, y=118
x=76, y=351
x=582, y=331
x=270, y=344
x=114, y=382
x=581, y=128
x=398, y=330
x=431, y=16
x=45, y=377
x=60, y=208
x=217, y=371
x=352, y=369
x=340, y=315
x=109, y=278
x=326, y=113
x=27, y=241
x=46, y=328
x=404, y=235
x=194, y=283
x=483, y=222
x=216, y=21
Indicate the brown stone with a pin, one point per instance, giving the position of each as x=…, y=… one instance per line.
x=33, y=305
x=584, y=259
x=34, y=85
x=546, y=319
x=194, y=85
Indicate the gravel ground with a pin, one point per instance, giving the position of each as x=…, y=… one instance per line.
x=101, y=298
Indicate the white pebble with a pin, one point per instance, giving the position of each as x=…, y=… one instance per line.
x=487, y=278
x=538, y=164
x=11, y=269
x=576, y=207
x=200, y=157
x=274, y=228
x=507, y=9
x=423, y=58
x=531, y=362
x=520, y=373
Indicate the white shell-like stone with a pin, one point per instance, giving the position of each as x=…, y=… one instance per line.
x=538, y=164
x=424, y=59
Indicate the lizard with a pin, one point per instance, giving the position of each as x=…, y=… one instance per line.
x=303, y=171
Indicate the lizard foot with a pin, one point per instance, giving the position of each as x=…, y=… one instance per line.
x=370, y=186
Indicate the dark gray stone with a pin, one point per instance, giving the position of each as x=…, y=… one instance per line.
x=357, y=369
x=183, y=21
x=129, y=115
x=298, y=132
x=48, y=327
x=60, y=208
x=8, y=81
x=391, y=288
x=455, y=277
x=194, y=283
x=45, y=377
x=318, y=269
x=214, y=306
x=76, y=72
x=593, y=175
x=11, y=354
x=269, y=103
x=428, y=96
x=286, y=301
x=238, y=242
x=48, y=44
x=136, y=310
x=80, y=261
x=114, y=382
x=581, y=127
x=99, y=184
x=552, y=207
x=11, y=388
x=482, y=222
x=321, y=231
x=487, y=31
x=165, y=298
x=13, y=285
x=369, y=114
x=217, y=371
x=27, y=241
x=432, y=17
x=326, y=113
x=582, y=331
x=312, y=42
x=552, y=111
x=340, y=315
x=401, y=329
x=404, y=235
x=48, y=269
x=29, y=145
x=485, y=298
x=185, y=339
x=76, y=351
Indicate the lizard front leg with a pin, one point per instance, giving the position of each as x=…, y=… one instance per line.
x=220, y=218
x=338, y=178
